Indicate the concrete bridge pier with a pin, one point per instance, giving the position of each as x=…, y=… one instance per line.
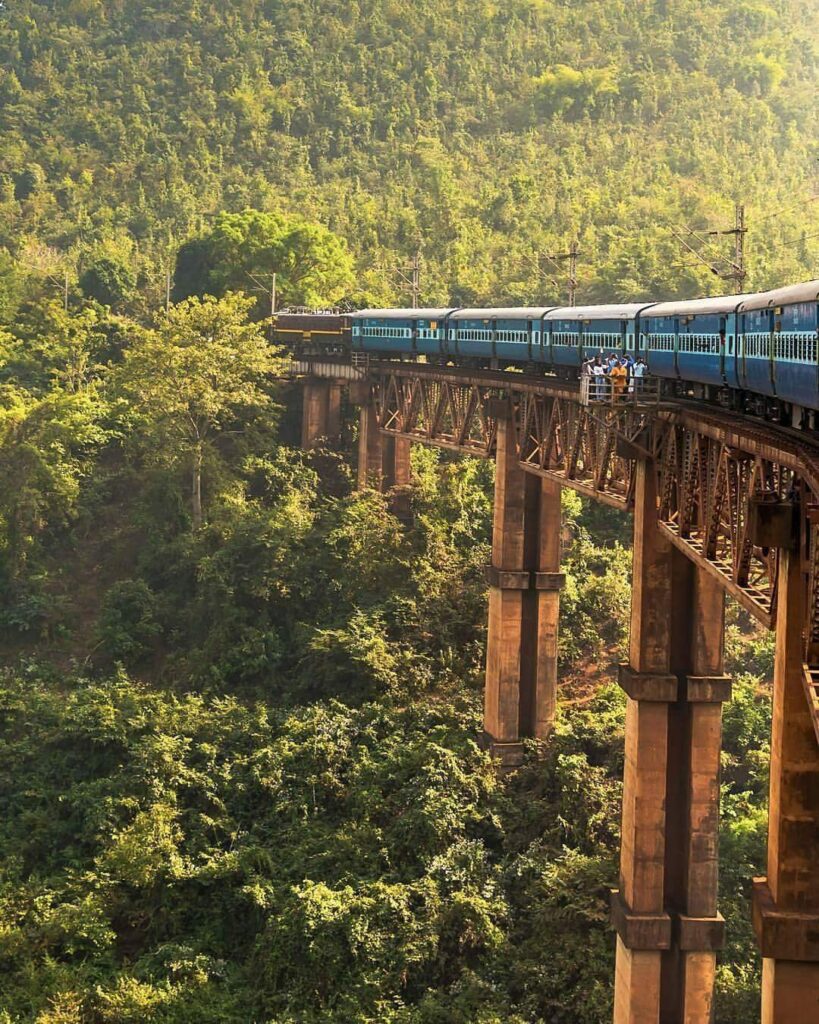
x=383, y=459
x=786, y=902
x=665, y=914
x=321, y=411
x=370, y=449
x=524, y=604
x=692, y=808
x=395, y=462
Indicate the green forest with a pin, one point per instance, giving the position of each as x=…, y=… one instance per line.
x=239, y=699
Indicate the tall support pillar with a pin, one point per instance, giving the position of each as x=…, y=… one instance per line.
x=665, y=912
x=314, y=411
x=396, y=465
x=692, y=808
x=786, y=902
x=370, y=449
x=384, y=461
x=524, y=591
x=321, y=411
x=334, y=410
x=540, y=700
x=638, y=908
x=507, y=583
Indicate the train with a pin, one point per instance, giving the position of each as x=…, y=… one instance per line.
x=756, y=353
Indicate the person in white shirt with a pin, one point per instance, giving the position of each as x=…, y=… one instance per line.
x=598, y=391
x=638, y=372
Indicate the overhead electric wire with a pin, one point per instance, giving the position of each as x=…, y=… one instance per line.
x=795, y=241
x=702, y=259
x=786, y=209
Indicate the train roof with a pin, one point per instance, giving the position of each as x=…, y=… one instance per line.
x=807, y=292
x=403, y=314
x=502, y=313
x=617, y=311
x=700, y=307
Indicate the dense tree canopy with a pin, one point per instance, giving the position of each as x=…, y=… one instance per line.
x=190, y=378
x=243, y=252
x=482, y=132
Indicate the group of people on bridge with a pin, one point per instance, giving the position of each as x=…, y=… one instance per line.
x=612, y=377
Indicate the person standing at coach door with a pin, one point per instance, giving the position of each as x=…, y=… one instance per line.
x=585, y=381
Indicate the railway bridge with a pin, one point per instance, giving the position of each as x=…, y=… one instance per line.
x=720, y=504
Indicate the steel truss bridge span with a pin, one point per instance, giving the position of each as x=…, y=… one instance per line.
x=720, y=504
x=714, y=470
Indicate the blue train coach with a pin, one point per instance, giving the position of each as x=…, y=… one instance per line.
x=503, y=334
x=575, y=333
x=777, y=353
x=405, y=331
x=694, y=340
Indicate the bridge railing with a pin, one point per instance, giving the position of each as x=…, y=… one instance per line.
x=602, y=390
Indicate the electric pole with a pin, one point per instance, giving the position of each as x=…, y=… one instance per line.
x=169, y=268
x=261, y=286
x=573, y=256
x=411, y=277
x=737, y=272
x=740, y=244
x=559, y=258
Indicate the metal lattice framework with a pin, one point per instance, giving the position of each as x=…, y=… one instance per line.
x=712, y=469
x=706, y=489
x=444, y=412
x=586, y=447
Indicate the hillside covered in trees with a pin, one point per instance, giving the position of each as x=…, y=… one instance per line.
x=239, y=700
x=481, y=132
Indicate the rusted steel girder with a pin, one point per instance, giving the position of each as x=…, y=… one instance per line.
x=445, y=413
x=711, y=473
x=715, y=472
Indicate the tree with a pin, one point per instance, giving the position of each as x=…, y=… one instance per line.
x=11, y=286
x=45, y=447
x=108, y=281
x=243, y=251
x=51, y=346
x=195, y=375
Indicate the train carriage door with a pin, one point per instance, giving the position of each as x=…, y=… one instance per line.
x=546, y=341
x=435, y=340
x=816, y=342
x=732, y=350
x=626, y=338
x=776, y=330
x=529, y=330
x=639, y=344
x=723, y=340
x=742, y=373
